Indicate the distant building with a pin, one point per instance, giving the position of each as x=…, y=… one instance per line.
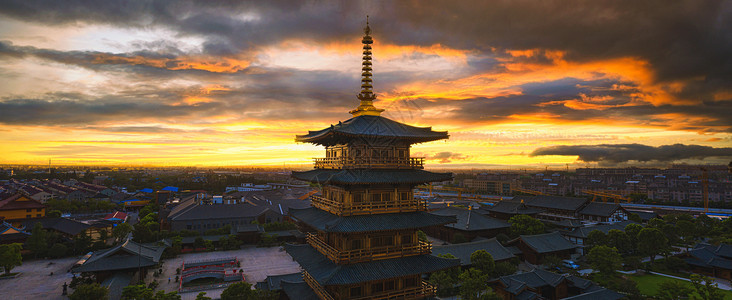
x=465, y=250
x=192, y=215
x=18, y=208
x=540, y=284
x=470, y=224
x=604, y=212
x=534, y=248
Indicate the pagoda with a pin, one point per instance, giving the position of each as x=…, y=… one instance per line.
x=362, y=230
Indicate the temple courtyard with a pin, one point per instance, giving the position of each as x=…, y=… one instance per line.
x=36, y=281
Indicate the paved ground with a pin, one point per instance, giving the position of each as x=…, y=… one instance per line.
x=257, y=263
x=35, y=282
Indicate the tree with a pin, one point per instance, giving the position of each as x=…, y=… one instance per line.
x=635, y=218
x=91, y=291
x=239, y=291
x=445, y=280
x=474, y=282
x=503, y=269
x=673, y=290
x=525, y=225
x=705, y=287
x=82, y=242
x=10, y=256
x=162, y=295
x=36, y=243
x=605, y=259
x=421, y=236
x=632, y=231
x=53, y=213
x=137, y=292
x=552, y=261
x=619, y=240
x=58, y=250
x=202, y=296
x=686, y=230
x=651, y=242
x=483, y=261
x=596, y=238
x=121, y=231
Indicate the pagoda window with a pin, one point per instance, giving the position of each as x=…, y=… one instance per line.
x=406, y=239
x=389, y=285
x=375, y=153
x=404, y=196
x=377, y=287
x=357, y=197
x=355, y=291
x=356, y=244
x=380, y=241
x=410, y=282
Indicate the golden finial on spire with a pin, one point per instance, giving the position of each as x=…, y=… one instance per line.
x=366, y=95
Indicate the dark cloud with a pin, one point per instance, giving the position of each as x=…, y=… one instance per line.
x=446, y=157
x=621, y=153
x=67, y=112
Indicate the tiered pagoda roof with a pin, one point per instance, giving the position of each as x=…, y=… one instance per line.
x=370, y=176
x=373, y=127
x=326, y=272
x=325, y=221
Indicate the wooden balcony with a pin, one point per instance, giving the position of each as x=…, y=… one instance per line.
x=367, y=207
x=418, y=292
x=317, y=288
x=367, y=162
x=360, y=255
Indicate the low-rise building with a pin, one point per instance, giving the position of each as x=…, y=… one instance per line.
x=470, y=224
x=603, y=212
x=534, y=248
x=17, y=208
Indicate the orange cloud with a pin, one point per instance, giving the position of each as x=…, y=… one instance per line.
x=211, y=64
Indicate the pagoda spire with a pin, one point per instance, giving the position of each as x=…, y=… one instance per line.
x=366, y=95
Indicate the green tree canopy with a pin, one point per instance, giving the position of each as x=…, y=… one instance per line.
x=239, y=291
x=445, y=280
x=10, y=256
x=483, y=261
x=474, y=283
x=620, y=240
x=651, y=242
x=705, y=288
x=202, y=296
x=525, y=225
x=92, y=291
x=137, y=292
x=37, y=243
x=596, y=238
x=120, y=231
x=605, y=259
x=673, y=290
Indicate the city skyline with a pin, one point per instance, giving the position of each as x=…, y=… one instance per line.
x=515, y=84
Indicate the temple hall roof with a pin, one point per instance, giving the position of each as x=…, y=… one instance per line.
x=273, y=282
x=127, y=255
x=325, y=221
x=600, y=209
x=464, y=250
x=513, y=207
x=547, y=242
x=298, y=290
x=331, y=176
x=370, y=127
x=325, y=272
x=471, y=220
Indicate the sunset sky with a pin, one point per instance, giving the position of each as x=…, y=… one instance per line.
x=515, y=83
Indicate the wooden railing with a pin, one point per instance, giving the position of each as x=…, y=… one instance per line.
x=359, y=255
x=418, y=292
x=368, y=162
x=317, y=288
x=367, y=207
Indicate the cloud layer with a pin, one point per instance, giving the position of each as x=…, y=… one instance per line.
x=621, y=153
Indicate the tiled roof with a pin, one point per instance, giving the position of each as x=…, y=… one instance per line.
x=65, y=225
x=464, y=250
x=535, y=279
x=600, y=209
x=370, y=176
x=598, y=294
x=470, y=220
x=272, y=283
x=547, y=242
x=11, y=203
x=583, y=232
x=705, y=255
x=127, y=255
x=513, y=207
x=298, y=290
x=556, y=202
x=219, y=211
x=370, y=126
x=328, y=222
x=325, y=272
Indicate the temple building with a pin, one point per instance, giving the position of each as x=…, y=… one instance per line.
x=362, y=231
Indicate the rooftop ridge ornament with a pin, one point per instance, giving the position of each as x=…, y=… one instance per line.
x=367, y=96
